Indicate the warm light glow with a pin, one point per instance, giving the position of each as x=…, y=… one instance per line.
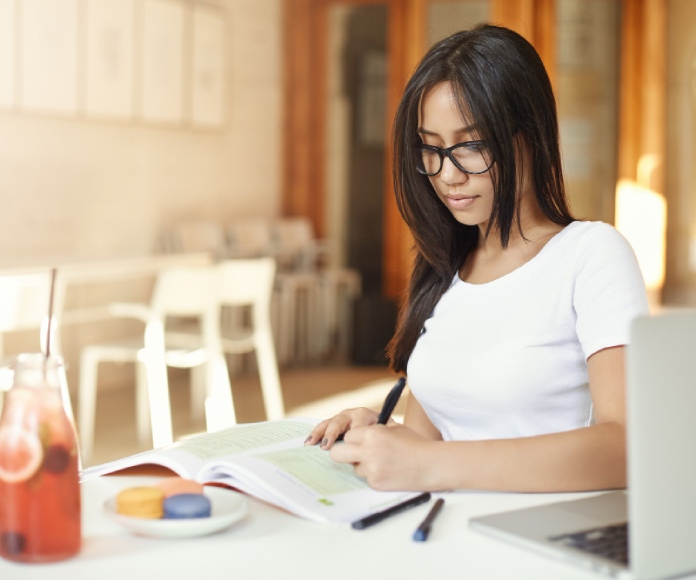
x=641, y=216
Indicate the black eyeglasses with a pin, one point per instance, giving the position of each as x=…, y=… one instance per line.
x=470, y=157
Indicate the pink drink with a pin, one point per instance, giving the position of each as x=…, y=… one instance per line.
x=39, y=480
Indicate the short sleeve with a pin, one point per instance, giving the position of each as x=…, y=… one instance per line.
x=609, y=291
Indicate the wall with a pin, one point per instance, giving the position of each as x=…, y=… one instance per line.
x=75, y=187
x=680, y=282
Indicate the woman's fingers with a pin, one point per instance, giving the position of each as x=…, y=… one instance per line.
x=328, y=431
x=317, y=434
x=336, y=429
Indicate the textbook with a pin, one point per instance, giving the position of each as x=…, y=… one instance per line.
x=269, y=461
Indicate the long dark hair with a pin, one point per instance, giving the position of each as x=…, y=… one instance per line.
x=500, y=84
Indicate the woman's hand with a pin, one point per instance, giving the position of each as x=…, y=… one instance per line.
x=390, y=458
x=328, y=430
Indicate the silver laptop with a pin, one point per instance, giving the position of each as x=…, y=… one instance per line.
x=650, y=530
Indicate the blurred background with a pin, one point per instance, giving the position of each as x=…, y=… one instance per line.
x=133, y=132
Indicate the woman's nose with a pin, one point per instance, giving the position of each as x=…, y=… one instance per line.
x=451, y=174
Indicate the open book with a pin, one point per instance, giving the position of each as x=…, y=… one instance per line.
x=269, y=461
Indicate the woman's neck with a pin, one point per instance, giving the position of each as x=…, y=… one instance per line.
x=490, y=260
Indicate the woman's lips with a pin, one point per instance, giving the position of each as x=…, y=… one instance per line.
x=459, y=202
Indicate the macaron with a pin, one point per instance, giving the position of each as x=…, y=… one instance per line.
x=186, y=505
x=179, y=485
x=140, y=502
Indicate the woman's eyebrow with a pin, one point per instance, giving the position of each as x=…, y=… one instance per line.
x=461, y=131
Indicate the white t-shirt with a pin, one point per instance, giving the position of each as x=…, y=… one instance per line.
x=509, y=358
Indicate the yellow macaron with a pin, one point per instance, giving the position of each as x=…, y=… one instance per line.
x=140, y=502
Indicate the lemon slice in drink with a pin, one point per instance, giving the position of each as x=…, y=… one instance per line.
x=21, y=454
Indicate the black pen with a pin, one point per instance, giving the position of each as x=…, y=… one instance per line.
x=421, y=534
x=377, y=517
x=391, y=401
x=389, y=404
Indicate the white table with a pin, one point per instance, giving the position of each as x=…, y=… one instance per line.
x=271, y=544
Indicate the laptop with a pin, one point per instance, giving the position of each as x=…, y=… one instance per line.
x=648, y=531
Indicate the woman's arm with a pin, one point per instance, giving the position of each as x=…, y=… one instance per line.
x=589, y=458
x=416, y=419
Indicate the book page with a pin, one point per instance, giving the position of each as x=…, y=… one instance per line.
x=307, y=482
x=246, y=439
x=189, y=457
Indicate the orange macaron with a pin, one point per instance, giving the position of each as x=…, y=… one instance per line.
x=178, y=485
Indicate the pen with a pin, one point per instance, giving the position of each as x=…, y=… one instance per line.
x=391, y=401
x=389, y=404
x=421, y=534
x=377, y=517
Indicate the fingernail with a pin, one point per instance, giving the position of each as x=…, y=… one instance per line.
x=324, y=442
x=307, y=440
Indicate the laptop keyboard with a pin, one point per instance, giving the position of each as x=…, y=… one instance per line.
x=609, y=542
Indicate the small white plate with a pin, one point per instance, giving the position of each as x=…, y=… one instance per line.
x=227, y=508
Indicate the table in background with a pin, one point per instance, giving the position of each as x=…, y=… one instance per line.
x=270, y=544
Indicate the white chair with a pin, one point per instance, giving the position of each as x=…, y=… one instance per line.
x=24, y=303
x=196, y=236
x=297, y=307
x=178, y=292
x=296, y=247
x=289, y=242
x=250, y=238
x=246, y=287
x=298, y=291
x=340, y=287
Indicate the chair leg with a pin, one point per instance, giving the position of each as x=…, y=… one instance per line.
x=160, y=407
x=219, y=406
x=65, y=393
x=67, y=405
x=268, y=374
x=87, y=389
x=316, y=332
x=142, y=405
x=197, y=392
x=287, y=324
x=157, y=385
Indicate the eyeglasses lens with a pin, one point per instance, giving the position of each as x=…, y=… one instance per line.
x=469, y=157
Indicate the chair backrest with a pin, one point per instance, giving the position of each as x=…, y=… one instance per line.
x=294, y=234
x=24, y=304
x=23, y=301
x=246, y=282
x=185, y=291
x=197, y=236
x=251, y=238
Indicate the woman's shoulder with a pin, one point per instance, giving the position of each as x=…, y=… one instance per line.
x=589, y=234
x=599, y=245
x=583, y=228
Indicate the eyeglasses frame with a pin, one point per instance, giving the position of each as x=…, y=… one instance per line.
x=447, y=152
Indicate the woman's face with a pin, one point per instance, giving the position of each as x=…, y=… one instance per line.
x=468, y=197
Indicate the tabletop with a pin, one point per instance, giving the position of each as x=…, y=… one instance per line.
x=269, y=543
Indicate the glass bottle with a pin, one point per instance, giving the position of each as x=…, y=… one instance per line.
x=39, y=479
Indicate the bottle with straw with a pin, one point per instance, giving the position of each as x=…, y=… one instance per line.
x=39, y=479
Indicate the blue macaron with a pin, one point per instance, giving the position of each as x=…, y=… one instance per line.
x=186, y=505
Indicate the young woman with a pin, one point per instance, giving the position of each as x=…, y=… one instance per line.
x=513, y=331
